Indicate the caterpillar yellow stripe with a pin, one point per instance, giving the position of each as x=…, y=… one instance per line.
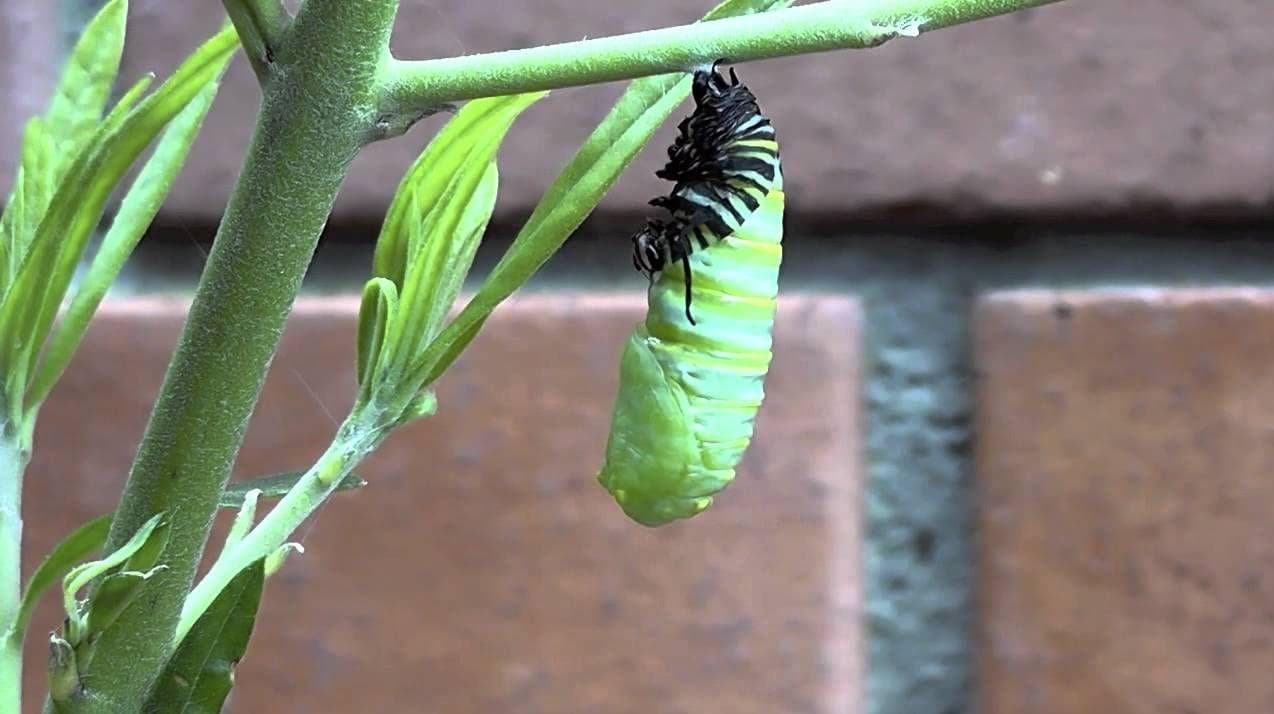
x=689, y=394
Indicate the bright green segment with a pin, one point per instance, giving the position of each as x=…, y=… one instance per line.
x=689, y=394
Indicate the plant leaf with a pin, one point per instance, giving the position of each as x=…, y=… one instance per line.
x=33, y=187
x=86, y=82
x=31, y=304
x=475, y=127
x=82, y=575
x=110, y=598
x=433, y=228
x=49, y=173
x=380, y=302
x=74, y=548
x=200, y=674
x=439, y=264
x=641, y=110
x=276, y=486
x=127, y=101
x=135, y=214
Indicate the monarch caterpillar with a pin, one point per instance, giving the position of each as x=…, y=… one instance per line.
x=689, y=393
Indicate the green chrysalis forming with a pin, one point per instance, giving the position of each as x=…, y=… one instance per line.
x=690, y=386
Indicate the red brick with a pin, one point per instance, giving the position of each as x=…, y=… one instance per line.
x=483, y=569
x=1071, y=107
x=1124, y=469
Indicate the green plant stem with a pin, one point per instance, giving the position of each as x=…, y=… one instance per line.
x=13, y=462
x=261, y=25
x=313, y=120
x=356, y=438
x=824, y=26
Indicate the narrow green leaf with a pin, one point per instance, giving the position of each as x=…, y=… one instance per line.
x=476, y=125
x=82, y=575
x=122, y=147
x=611, y=147
x=145, y=557
x=20, y=308
x=30, y=306
x=127, y=101
x=87, y=80
x=457, y=255
x=276, y=486
x=438, y=263
x=33, y=187
x=200, y=674
x=115, y=593
x=135, y=214
x=568, y=201
x=380, y=302
x=459, y=334
x=74, y=548
x=433, y=228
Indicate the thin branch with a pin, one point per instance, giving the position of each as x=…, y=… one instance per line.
x=261, y=25
x=13, y=461
x=824, y=26
x=357, y=437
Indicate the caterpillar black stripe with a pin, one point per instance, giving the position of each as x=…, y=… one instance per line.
x=724, y=160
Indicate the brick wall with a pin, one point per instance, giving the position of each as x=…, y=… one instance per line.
x=1013, y=460
x=1071, y=107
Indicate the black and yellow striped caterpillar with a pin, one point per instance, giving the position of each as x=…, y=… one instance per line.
x=690, y=390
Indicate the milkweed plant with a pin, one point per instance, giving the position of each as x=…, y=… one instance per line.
x=141, y=633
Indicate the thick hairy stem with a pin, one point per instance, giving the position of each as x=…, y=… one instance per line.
x=13, y=461
x=831, y=25
x=313, y=119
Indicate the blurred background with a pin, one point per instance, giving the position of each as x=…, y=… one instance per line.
x=1016, y=455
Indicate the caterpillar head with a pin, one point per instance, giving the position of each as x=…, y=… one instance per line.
x=708, y=83
x=651, y=249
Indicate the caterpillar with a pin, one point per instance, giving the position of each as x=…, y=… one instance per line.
x=689, y=392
